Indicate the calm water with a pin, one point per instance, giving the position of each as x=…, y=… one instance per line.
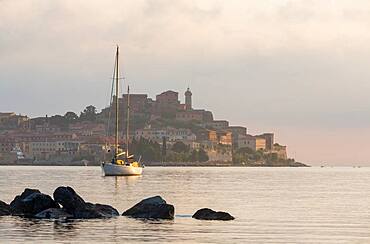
x=271, y=205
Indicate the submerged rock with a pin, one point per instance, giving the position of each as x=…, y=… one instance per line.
x=105, y=210
x=151, y=208
x=54, y=213
x=31, y=202
x=209, y=214
x=4, y=209
x=78, y=208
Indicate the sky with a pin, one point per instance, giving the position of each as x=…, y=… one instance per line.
x=298, y=68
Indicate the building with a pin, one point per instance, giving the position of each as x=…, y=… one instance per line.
x=180, y=134
x=6, y=116
x=47, y=128
x=198, y=115
x=7, y=144
x=138, y=102
x=280, y=150
x=269, y=137
x=151, y=134
x=252, y=142
x=171, y=134
x=9, y=121
x=167, y=102
x=218, y=124
x=207, y=135
x=87, y=128
x=47, y=149
x=224, y=137
x=237, y=130
x=188, y=105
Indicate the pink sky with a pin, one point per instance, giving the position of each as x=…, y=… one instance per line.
x=297, y=68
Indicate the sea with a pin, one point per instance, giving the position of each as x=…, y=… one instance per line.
x=270, y=205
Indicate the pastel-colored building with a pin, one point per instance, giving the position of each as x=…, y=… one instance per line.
x=252, y=142
x=46, y=149
x=218, y=124
x=269, y=138
x=224, y=137
x=280, y=150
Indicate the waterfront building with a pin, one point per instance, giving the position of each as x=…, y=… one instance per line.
x=269, y=138
x=46, y=149
x=237, y=131
x=280, y=150
x=252, y=142
x=206, y=135
x=224, y=137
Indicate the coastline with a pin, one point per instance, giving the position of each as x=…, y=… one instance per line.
x=156, y=164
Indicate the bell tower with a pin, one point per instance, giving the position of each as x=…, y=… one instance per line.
x=188, y=99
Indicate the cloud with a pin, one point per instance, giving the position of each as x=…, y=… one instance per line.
x=264, y=64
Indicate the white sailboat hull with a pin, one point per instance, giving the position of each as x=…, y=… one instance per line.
x=110, y=169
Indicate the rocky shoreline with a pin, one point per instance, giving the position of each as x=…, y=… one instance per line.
x=67, y=204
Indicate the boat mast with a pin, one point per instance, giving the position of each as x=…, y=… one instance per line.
x=128, y=120
x=116, y=101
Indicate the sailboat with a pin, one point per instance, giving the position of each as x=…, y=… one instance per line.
x=122, y=163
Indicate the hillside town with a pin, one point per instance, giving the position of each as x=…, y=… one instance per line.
x=163, y=131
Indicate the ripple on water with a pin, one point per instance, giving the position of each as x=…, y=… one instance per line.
x=271, y=205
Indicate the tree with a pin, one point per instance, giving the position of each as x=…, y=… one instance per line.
x=89, y=113
x=194, y=156
x=71, y=116
x=180, y=147
x=202, y=155
x=164, y=149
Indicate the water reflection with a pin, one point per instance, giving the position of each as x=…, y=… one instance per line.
x=279, y=205
x=63, y=227
x=120, y=181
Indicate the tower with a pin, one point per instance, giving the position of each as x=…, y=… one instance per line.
x=188, y=99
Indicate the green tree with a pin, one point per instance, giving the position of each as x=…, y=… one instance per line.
x=71, y=116
x=89, y=113
x=180, y=147
x=164, y=149
x=193, y=156
x=202, y=155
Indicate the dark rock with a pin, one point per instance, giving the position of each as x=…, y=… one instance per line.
x=17, y=204
x=76, y=206
x=31, y=202
x=4, y=209
x=54, y=213
x=69, y=199
x=151, y=208
x=209, y=214
x=105, y=210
